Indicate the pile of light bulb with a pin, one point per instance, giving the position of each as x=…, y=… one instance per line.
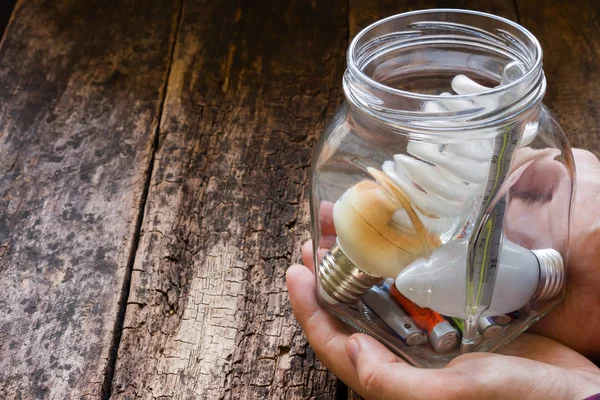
x=399, y=221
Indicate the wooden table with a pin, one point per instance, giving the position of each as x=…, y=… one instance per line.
x=154, y=158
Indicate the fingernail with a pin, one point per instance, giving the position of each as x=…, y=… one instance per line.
x=352, y=350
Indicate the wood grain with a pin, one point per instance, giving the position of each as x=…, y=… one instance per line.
x=569, y=33
x=80, y=91
x=246, y=92
x=364, y=12
x=208, y=315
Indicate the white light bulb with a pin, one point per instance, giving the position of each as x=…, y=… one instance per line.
x=439, y=281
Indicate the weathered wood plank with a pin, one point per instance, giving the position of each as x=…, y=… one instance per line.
x=251, y=87
x=569, y=33
x=81, y=86
x=365, y=12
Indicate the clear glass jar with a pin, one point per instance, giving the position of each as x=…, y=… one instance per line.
x=441, y=189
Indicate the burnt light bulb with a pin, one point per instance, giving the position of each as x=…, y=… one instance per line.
x=370, y=244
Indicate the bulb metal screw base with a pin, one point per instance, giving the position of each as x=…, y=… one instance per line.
x=552, y=274
x=341, y=279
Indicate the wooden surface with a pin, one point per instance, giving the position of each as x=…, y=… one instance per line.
x=153, y=167
x=208, y=314
x=81, y=89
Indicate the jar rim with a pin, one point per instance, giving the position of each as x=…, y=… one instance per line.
x=355, y=69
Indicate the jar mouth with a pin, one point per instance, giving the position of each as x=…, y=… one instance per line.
x=385, y=60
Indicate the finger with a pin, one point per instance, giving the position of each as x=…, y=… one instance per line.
x=308, y=255
x=586, y=159
x=326, y=218
x=539, y=181
x=381, y=374
x=327, y=241
x=496, y=376
x=585, y=228
x=323, y=330
x=539, y=348
x=578, y=309
x=538, y=210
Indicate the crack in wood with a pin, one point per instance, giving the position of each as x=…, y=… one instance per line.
x=112, y=361
x=518, y=16
x=81, y=88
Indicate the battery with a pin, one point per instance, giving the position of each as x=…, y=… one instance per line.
x=513, y=315
x=380, y=302
x=507, y=318
x=502, y=319
x=442, y=335
x=373, y=319
x=489, y=327
x=457, y=322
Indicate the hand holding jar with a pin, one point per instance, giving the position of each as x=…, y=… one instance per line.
x=441, y=202
x=424, y=169
x=531, y=366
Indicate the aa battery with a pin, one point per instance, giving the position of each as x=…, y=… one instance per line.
x=373, y=318
x=513, y=316
x=379, y=301
x=489, y=327
x=442, y=335
x=502, y=319
x=506, y=319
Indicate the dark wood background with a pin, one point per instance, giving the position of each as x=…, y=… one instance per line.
x=154, y=158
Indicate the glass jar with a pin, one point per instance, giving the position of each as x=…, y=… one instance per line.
x=441, y=189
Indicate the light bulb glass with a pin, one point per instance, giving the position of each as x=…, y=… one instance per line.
x=438, y=282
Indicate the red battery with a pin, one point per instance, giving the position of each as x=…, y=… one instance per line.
x=443, y=336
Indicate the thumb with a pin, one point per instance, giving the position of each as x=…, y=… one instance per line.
x=379, y=370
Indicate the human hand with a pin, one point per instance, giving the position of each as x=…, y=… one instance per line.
x=547, y=369
x=536, y=219
x=530, y=367
x=576, y=321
